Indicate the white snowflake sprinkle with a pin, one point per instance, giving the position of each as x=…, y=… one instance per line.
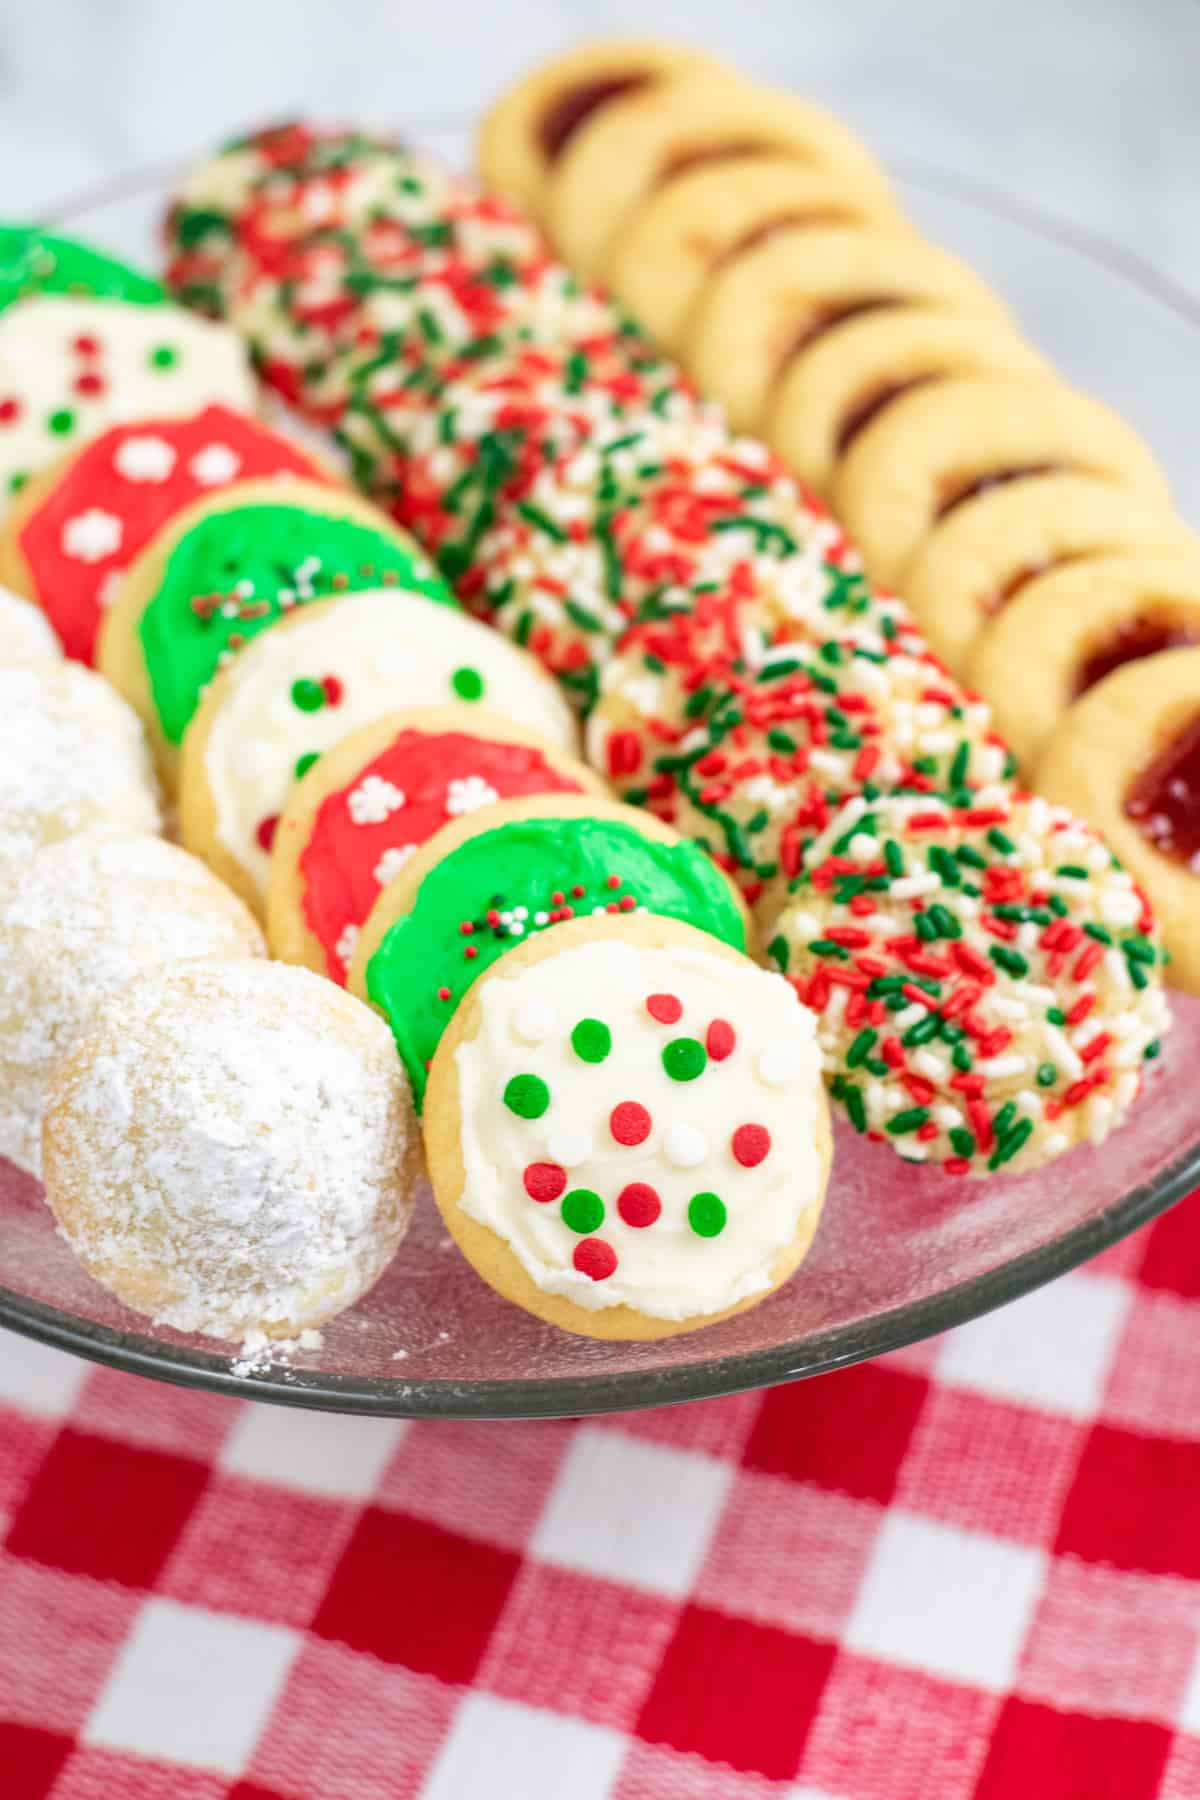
x=468, y=793
x=215, y=465
x=144, y=459
x=346, y=945
x=92, y=535
x=374, y=800
x=392, y=861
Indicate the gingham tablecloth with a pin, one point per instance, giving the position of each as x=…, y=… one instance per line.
x=970, y=1571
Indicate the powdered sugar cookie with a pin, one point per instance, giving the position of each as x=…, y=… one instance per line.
x=697, y=222
x=317, y=676
x=76, y=528
x=230, y=1148
x=626, y=1130
x=621, y=152
x=509, y=870
x=983, y=553
x=530, y=126
x=25, y=635
x=778, y=299
x=833, y=389
x=71, y=367
x=1127, y=758
x=228, y=567
x=33, y=261
x=369, y=803
x=72, y=755
x=1069, y=629
x=88, y=914
x=937, y=447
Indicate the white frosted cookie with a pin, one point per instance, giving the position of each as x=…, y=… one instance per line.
x=230, y=1148
x=939, y=446
x=70, y=368
x=700, y=220
x=1072, y=627
x=306, y=683
x=978, y=559
x=25, y=633
x=72, y=755
x=88, y=914
x=618, y=156
x=781, y=297
x=626, y=1130
x=529, y=127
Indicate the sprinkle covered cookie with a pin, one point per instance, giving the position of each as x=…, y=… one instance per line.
x=365, y=806
x=626, y=1129
x=485, y=883
x=987, y=980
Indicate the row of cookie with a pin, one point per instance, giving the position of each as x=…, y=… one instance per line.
x=1010, y=511
x=760, y=775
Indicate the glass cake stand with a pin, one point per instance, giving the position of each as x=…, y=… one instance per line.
x=902, y=1252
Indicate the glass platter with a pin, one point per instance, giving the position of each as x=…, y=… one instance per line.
x=901, y=1252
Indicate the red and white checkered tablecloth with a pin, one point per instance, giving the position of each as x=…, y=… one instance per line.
x=970, y=1571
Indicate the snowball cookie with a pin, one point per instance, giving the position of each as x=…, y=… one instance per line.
x=364, y=807
x=33, y=261
x=701, y=219
x=25, y=635
x=987, y=981
x=71, y=367
x=483, y=883
x=980, y=556
x=317, y=676
x=938, y=446
x=618, y=155
x=88, y=914
x=785, y=294
x=626, y=1130
x=230, y=1148
x=833, y=389
x=76, y=527
x=224, y=570
x=72, y=755
x=1067, y=630
x=1127, y=758
x=530, y=125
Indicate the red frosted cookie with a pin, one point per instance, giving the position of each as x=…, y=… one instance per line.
x=370, y=802
x=78, y=526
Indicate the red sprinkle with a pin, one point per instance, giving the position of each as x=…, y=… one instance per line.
x=720, y=1039
x=665, y=1008
x=334, y=689
x=595, y=1258
x=544, y=1181
x=629, y=1123
x=443, y=993
x=638, y=1204
x=265, y=831
x=750, y=1144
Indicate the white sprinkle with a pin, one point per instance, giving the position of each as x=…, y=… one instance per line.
x=569, y=1145
x=685, y=1146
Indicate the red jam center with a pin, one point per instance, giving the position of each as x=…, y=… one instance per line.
x=1164, y=800
x=867, y=408
x=768, y=228
x=563, y=117
x=956, y=490
x=824, y=318
x=1138, y=637
x=700, y=154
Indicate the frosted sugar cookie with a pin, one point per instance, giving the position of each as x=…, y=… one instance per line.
x=779, y=298
x=227, y=568
x=72, y=755
x=849, y=375
x=313, y=678
x=88, y=914
x=76, y=528
x=230, y=1148
x=1127, y=757
x=25, y=635
x=1069, y=629
x=697, y=222
x=987, y=980
x=70, y=368
x=982, y=554
x=626, y=1131
x=526, y=131
x=936, y=448
x=33, y=261
x=620, y=153
x=369, y=803
x=486, y=882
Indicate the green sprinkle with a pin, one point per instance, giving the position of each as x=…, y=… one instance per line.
x=61, y=422
x=962, y=1059
x=1000, y=841
x=779, y=952
x=1002, y=1122
x=780, y=740
x=591, y=1040
x=1047, y=1075
x=945, y=920
x=582, y=1210
x=1011, y=961
x=893, y=856
x=960, y=765
x=911, y=1119
x=855, y=1106
x=1139, y=950
x=1138, y=975
x=861, y=1047
x=527, y=1096
x=684, y=1058
x=943, y=864
x=308, y=694
x=1007, y=1148
x=467, y=683
x=923, y=1031
x=962, y=1141
x=534, y=515
x=304, y=763
x=826, y=947
x=1152, y=1050
x=1056, y=1015
x=163, y=356
x=974, y=859
x=1072, y=871
x=1101, y=933
x=706, y=1215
